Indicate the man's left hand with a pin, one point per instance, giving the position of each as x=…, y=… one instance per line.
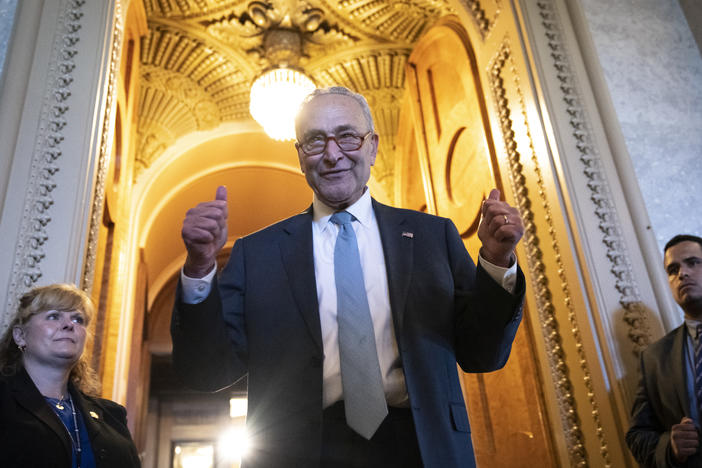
x=499, y=230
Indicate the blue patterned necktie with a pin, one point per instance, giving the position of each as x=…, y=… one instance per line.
x=364, y=398
x=698, y=369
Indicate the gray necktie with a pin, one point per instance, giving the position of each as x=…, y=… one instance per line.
x=364, y=398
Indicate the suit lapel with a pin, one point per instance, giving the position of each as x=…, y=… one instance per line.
x=397, y=236
x=298, y=260
x=28, y=396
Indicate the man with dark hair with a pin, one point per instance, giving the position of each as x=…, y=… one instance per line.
x=665, y=418
x=348, y=318
x=681, y=238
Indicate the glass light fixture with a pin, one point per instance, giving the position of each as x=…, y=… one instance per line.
x=275, y=98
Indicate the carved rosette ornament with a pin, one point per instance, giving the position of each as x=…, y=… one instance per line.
x=38, y=200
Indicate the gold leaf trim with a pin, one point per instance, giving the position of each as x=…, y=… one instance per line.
x=545, y=306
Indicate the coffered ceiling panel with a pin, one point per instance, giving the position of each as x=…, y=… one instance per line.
x=201, y=56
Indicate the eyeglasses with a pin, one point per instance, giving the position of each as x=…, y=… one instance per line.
x=347, y=141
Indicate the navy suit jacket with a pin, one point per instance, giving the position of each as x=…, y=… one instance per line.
x=33, y=436
x=661, y=401
x=263, y=320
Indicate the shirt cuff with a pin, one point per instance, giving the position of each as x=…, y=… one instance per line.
x=196, y=290
x=505, y=277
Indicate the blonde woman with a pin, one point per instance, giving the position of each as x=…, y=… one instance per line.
x=49, y=413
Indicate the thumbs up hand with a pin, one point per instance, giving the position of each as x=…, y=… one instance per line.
x=204, y=233
x=499, y=231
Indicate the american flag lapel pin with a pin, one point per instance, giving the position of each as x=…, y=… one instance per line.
x=407, y=234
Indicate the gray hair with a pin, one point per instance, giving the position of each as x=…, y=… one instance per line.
x=342, y=91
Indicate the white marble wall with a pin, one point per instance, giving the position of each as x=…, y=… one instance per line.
x=7, y=16
x=653, y=69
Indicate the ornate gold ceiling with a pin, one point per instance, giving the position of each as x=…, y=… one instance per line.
x=201, y=56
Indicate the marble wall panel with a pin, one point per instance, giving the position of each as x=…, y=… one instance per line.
x=7, y=18
x=653, y=69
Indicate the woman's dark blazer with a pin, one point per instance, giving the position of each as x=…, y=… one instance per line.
x=32, y=435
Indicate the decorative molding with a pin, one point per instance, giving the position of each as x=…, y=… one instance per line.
x=545, y=306
x=188, y=8
x=166, y=94
x=38, y=200
x=395, y=20
x=635, y=313
x=308, y=29
x=385, y=104
x=377, y=69
x=480, y=18
x=103, y=163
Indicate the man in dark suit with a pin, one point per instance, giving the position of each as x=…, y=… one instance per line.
x=665, y=418
x=279, y=313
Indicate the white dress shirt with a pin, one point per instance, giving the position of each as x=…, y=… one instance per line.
x=370, y=247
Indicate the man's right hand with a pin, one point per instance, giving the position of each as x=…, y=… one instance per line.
x=684, y=440
x=205, y=233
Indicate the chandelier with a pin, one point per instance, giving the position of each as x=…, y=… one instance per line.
x=280, y=35
x=276, y=96
x=278, y=92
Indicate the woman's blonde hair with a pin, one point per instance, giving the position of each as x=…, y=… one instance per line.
x=52, y=297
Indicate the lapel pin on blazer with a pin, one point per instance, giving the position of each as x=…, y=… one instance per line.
x=94, y=415
x=409, y=235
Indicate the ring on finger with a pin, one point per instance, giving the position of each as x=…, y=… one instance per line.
x=506, y=219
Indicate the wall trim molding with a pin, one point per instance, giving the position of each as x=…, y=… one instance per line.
x=39, y=199
x=600, y=194
x=105, y=149
x=546, y=309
